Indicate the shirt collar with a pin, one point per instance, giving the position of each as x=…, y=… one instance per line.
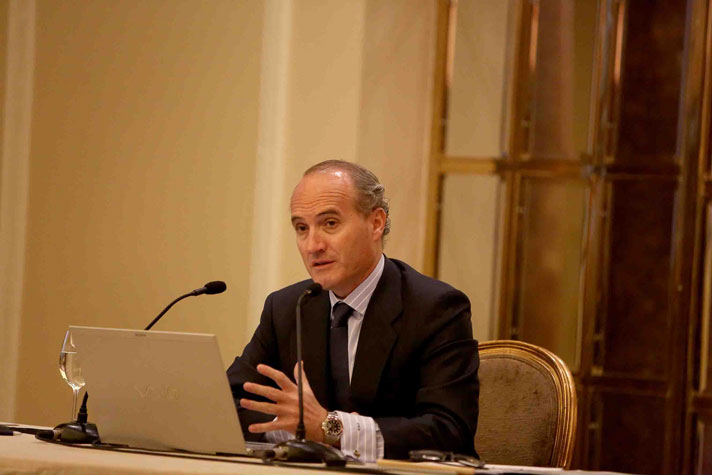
x=358, y=299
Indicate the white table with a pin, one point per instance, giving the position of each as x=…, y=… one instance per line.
x=23, y=453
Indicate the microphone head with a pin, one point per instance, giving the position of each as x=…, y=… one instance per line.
x=215, y=287
x=313, y=289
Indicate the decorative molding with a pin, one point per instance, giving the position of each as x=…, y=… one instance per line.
x=270, y=197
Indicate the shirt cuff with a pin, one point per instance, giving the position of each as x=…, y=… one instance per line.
x=361, y=439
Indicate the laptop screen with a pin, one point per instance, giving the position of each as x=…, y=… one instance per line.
x=158, y=390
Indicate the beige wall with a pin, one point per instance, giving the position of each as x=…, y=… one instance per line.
x=143, y=146
x=4, y=5
x=14, y=180
x=148, y=121
x=395, y=114
x=8, y=355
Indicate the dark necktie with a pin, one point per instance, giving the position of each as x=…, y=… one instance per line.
x=339, y=352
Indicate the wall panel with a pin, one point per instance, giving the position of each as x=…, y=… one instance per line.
x=143, y=144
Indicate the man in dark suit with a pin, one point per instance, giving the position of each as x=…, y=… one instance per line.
x=390, y=364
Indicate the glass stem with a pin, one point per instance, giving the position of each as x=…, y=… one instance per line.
x=74, y=406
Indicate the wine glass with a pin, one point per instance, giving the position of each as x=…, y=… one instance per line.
x=70, y=368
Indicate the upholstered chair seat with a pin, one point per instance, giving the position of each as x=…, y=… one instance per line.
x=527, y=406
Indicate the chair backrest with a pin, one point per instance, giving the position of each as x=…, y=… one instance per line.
x=527, y=406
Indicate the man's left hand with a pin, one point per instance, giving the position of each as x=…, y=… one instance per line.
x=286, y=404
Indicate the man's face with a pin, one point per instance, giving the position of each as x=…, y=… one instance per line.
x=339, y=245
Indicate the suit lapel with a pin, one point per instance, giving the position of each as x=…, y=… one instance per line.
x=377, y=336
x=315, y=328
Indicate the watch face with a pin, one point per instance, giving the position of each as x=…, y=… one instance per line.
x=333, y=428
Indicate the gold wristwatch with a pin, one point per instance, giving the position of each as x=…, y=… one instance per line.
x=333, y=428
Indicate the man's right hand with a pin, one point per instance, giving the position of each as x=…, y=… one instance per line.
x=286, y=404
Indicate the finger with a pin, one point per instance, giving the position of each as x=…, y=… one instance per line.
x=277, y=376
x=269, y=392
x=305, y=381
x=263, y=407
x=296, y=372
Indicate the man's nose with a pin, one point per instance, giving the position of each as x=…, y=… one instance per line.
x=315, y=243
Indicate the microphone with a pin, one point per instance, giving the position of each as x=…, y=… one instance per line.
x=211, y=288
x=300, y=449
x=81, y=431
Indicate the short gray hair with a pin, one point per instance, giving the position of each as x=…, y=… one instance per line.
x=370, y=193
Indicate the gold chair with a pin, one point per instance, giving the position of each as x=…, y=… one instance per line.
x=527, y=406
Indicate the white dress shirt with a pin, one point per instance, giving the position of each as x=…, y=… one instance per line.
x=361, y=438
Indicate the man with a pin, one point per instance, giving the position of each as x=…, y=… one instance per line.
x=390, y=364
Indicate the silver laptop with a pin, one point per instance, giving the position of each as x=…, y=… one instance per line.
x=158, y=390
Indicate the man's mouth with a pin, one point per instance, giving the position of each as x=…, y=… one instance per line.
x=320, y=264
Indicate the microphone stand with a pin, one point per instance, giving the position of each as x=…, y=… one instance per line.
x=300, y=449
x=83, y=432
x=153, y=322
x=79, y=431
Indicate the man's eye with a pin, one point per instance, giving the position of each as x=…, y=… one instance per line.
x=331, y=223
x=300, y=228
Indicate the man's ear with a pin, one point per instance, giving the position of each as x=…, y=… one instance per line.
x=378, y=221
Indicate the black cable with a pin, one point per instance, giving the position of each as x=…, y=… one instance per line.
x=24, y=430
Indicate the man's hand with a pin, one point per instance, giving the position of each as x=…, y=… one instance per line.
x=286, y=404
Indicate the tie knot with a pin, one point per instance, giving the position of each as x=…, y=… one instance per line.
x=342, y=312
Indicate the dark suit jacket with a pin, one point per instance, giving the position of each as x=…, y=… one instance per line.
x=416, y=364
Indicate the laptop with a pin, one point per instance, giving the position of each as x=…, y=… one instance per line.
x=159, y=390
